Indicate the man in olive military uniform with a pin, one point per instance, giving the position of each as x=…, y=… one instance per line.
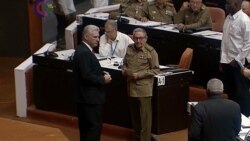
x=140, y=65
x=196, y=15
x=160, y=11
x=131, y=8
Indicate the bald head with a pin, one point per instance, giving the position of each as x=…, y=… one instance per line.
x=245, y=6
x=215, y=86
x=233, y=6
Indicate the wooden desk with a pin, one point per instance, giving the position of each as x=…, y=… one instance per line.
x=170, y=45
x=53, y=91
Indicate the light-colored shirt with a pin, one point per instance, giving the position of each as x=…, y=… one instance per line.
x=67, y=6
x=235, y=43
x=116, y=48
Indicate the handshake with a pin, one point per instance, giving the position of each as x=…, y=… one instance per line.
x=107, y=77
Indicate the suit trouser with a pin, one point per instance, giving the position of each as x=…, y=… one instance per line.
x=89, y=121
x=237, y=88
x=141, y=114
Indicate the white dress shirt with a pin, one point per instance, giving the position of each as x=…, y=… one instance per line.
x=116, y=48
x=68, y=6
x=235, y=43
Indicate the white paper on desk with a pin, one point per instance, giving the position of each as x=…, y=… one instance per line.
x=104, y=9
x=98, y=15
x=245, y=122
x=207, y=33
x=133, y=21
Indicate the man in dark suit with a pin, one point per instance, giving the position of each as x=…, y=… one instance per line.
x=216, y=119
x=89, y=84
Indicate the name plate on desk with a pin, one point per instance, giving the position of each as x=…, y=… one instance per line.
x=161, y=80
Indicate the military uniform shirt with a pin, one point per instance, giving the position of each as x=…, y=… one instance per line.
x=145, y=62
x=165, y=14
x=193, y=20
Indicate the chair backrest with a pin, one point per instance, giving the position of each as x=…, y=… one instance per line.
x=218, y=18
x=186, y=59
x=200, y=94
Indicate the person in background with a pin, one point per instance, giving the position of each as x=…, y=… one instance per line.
x=235, y=47
x=113, y=43
x=140, y=65
x=130, y=8
x=65, y=12
x=89, y=85
x=216, y=119
x=245, y=6
x=99, y=3
x=160, y=11
x=196, y=15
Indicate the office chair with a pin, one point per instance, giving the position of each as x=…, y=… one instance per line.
x=218, y=18
x=186, y=59
x=197, y=94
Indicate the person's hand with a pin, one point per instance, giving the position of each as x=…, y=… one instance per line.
x=107, y=77
x=135, y=76
x=246, y=72
x=180, y=26
x=143, y=19
x=184, y=5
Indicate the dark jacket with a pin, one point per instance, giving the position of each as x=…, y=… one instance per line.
x=88, y=77
x=216, y=119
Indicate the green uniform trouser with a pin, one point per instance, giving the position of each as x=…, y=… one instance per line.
x=141, y=114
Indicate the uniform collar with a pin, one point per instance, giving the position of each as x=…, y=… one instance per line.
x=236, y=15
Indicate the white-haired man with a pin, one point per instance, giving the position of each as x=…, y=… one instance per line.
x=216, y=119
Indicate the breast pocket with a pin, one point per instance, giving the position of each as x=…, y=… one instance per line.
x=234, y=31
x=142, y=60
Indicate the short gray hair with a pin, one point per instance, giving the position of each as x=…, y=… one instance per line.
x=89, y=29
x=140, y=30
x=215, y=86
x=112, y=23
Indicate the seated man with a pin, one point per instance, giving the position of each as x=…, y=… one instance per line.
x=131, y=8
x=246, y=7
x=113, y=43
x=160, y=11
x=216, y=119
x=196, y=15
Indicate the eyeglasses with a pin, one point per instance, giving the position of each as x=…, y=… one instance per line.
x=138, y=38
x=111, y=31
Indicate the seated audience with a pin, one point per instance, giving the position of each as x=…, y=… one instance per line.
x=196, y=15
x=130, y=8
x=216, y=119
x=113, y=43
x=246, y=7
x=160, y=11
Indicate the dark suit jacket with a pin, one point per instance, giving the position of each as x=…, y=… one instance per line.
x=88, y=77
x=216, y=119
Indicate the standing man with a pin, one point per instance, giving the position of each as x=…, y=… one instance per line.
x=89, y=84
x=246, y=7
x=113, y=43
x=65, y=12
x=196, y=15
x=216, y=119
x=140, y=66
x=235, y=47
